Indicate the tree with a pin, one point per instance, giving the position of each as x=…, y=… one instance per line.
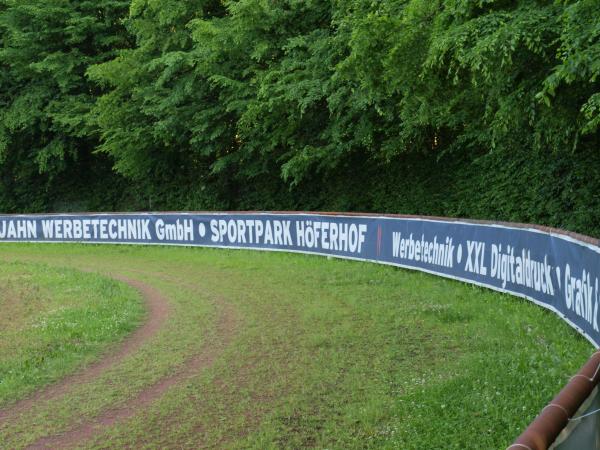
x=44, y=96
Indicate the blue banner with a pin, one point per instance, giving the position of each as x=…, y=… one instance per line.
x=553, y=270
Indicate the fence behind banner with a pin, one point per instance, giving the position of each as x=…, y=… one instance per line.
x=583, y=431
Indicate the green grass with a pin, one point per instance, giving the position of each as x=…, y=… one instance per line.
x=56, y=320
x=323, y=354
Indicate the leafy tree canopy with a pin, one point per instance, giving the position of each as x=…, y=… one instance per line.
x=484, y=108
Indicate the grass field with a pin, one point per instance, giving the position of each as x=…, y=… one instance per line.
x=271, y=350
x=53, y=321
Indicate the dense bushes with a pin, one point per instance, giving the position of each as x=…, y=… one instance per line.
x=479, y=108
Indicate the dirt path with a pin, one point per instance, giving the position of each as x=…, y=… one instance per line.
x=158, y=312
x=225, y=330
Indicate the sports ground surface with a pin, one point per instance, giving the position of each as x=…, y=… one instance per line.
x=122, y=346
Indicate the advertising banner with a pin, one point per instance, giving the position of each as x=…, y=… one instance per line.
x=555, y=271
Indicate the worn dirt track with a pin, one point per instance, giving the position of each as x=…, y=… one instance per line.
x=157, y=313
x=192, y=367
x=158, y=310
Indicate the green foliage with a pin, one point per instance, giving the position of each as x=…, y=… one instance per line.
x=147, y=119
x=484, y=108
x=44, y=95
